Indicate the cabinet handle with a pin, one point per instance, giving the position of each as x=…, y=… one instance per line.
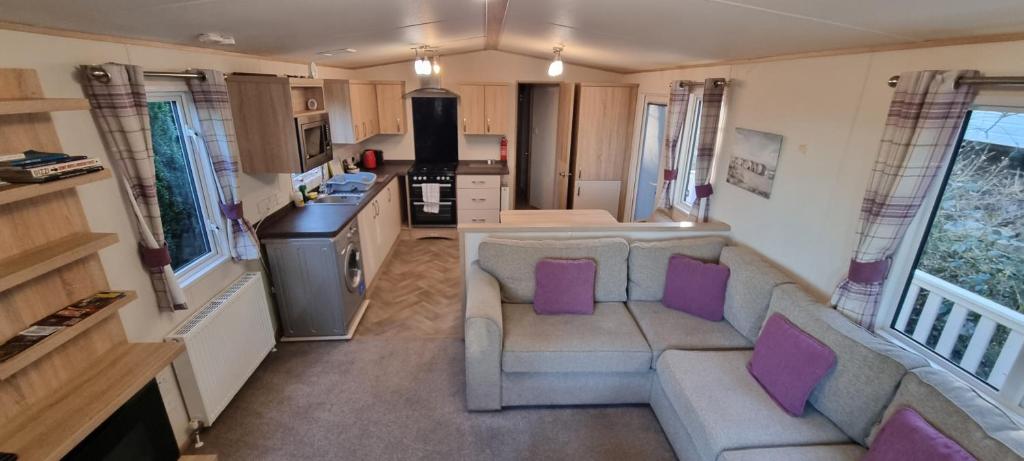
x=479, y=220
x=488, y=125
x=364, y=128
x=464, y=130
x=479, y=199
x=398, y=124
x=478, y=182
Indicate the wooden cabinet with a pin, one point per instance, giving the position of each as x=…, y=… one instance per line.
x=485, y=108
x=380, y=223
x=391, y=107
x=604, y=123
x=364, y=110
x=264, y=110
x=478, y=198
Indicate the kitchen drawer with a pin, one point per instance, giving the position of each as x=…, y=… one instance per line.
x=478, y=181
x=478, y=199
x=478, y=216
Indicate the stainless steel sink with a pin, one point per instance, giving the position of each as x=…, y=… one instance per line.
x=346, y=199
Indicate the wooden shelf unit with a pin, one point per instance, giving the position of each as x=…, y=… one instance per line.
x=53, y=426
x=11, y=193
x=52, y=342
x=38, y=105
x=57, y=392
x=24, y=266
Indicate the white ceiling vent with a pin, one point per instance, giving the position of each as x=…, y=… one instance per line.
x=217, y=38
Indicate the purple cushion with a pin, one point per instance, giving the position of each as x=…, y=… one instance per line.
x=906, y=436
x=695, y=287
x=788, y=363
x=564, y=286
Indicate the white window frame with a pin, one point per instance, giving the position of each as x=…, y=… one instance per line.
x=687, y=154
x=903, y=264
x=205, y=183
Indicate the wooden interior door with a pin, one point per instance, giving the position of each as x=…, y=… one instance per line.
x=604, y=122
x=390, y=108
x=566, y=96
x=496, y=109
x=473, y=117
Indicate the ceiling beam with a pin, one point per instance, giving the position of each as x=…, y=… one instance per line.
x=494, y=16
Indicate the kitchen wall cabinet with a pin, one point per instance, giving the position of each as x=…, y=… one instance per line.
x=364, y=110
x=390, y=107
x=264, y=110
x=380, y=223
x=485, y=108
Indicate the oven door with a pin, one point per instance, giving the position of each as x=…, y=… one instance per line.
x=445, y=215
x=314, y=142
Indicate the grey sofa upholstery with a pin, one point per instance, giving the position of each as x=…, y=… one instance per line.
x=692, y=371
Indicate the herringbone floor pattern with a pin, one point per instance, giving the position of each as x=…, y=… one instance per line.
x=418, y=292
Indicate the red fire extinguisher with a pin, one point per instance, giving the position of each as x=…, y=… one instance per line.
x=504, y=149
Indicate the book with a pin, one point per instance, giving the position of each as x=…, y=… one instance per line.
x=70, y=315
x=52, y=172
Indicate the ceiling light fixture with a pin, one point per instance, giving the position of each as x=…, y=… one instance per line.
x=336, y=51
x=436, y=63
x=216, y=38
x=556, y=67
x=426, y=64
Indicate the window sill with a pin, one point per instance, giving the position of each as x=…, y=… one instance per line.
x=188, y=280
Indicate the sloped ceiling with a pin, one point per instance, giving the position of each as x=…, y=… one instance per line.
x=610, y=34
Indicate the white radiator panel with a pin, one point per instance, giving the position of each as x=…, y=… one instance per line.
x=225, y=341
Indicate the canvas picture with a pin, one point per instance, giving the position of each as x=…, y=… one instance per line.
x=754, y=161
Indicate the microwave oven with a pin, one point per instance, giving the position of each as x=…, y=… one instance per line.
x=314, y=137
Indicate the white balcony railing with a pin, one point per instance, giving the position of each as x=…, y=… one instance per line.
x=968, y=310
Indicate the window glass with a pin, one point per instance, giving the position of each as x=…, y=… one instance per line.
x=184, y=226
x=965, y=298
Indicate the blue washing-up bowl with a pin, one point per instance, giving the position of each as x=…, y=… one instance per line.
x=351, y=182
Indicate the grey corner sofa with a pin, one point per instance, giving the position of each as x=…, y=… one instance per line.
x=692, y=371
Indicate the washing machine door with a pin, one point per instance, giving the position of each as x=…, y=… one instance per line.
x=353, y=268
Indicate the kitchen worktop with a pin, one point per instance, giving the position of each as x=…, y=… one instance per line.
x=481, y=167
x=317, y=220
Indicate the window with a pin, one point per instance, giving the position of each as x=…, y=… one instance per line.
x=964, y=299
x=683, y=189
x=186, y=190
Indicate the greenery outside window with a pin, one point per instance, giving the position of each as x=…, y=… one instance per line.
x=186, y=190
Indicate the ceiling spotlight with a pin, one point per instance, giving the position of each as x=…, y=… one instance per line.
x=555, y=69
x=436, y=63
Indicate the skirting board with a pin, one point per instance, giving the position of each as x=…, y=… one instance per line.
x=348, y=334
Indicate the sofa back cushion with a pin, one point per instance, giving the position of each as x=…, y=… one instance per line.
x=868, y=368
x=751, y=280
x=959, y=412
x=513, y=263
x=648, y=262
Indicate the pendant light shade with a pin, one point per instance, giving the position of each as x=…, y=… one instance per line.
x=556, y=67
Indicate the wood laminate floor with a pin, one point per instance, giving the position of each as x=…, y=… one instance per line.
x=418, y=292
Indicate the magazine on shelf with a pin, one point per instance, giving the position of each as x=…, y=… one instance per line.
x=66, y=317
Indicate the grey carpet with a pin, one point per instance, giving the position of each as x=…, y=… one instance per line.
x=403, y=399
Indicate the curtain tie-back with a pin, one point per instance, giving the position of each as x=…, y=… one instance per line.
x=704, y=190
x=155, y=258
x=869, y=272
x=232, y=211
x=670, y=175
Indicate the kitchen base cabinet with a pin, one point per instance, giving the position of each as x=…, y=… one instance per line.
x=380, y=224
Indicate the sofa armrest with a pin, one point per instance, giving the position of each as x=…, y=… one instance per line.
x=483, y=340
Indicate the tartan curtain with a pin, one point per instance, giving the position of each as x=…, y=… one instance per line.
x=679, y=100
x=217, y=127
x=711, y=114
x=924, y=121
x=120, y=108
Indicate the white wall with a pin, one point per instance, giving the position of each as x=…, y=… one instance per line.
x=543, y=139
x=831, y=112
x=55, y=59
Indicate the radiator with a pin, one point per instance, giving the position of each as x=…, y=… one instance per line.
x=224, y=341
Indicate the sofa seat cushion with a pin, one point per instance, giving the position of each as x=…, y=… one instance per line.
x=668, y=329
x=723, y=407
x=841, y=452
x=607, y=341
